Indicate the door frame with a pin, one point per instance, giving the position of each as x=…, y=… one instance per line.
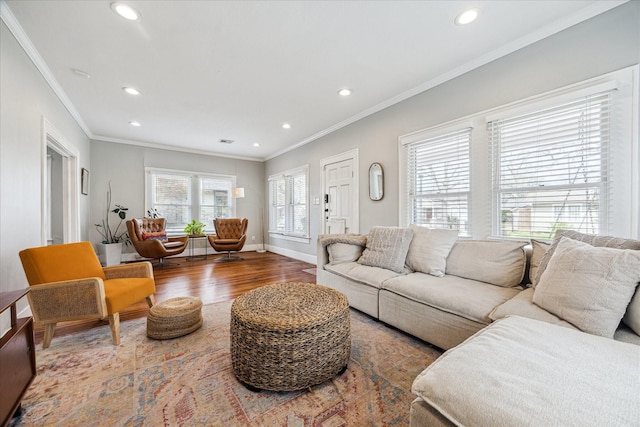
x=347, y=155
x=54, y=139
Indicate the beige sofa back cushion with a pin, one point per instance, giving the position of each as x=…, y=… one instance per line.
x=429, y=249
x=501, y=263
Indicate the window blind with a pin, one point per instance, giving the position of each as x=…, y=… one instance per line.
x=288, y=213
x=438, y=180
x=550, y=168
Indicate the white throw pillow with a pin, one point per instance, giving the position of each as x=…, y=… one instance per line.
x=589, y=287
x=387, y=248
x=342, y=252
x=537, y=252
x=429, y=249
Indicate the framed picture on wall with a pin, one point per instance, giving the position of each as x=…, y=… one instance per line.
x=85, y=181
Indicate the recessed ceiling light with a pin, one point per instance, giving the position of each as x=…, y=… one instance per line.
x=81, y=73
x=126, y=11
x=467, y=17
x=256, y=144
x=344, y=92
x=286, y=126
x=134, y=123
x=131, y=90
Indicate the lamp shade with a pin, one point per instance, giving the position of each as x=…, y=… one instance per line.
x=237, y=192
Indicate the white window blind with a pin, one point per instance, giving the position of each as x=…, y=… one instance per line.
x=438, y=180
x=288, y=200
x=550, y=169
x=171, y=197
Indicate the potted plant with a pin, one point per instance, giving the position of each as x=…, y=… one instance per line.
x=110, y=250
x=195, y=228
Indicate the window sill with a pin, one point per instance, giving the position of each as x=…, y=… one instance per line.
x=299, y=239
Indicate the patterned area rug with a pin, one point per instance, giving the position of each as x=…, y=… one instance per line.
x=84, y=380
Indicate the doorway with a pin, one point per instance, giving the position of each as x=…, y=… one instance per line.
x=340, y=189
x=60, y=188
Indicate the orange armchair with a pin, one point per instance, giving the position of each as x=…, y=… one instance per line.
x=231, y=233
x=67, y=282
x=149, y=237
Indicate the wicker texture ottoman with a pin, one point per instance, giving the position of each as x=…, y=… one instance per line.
x=174, y=318
x=289, y=336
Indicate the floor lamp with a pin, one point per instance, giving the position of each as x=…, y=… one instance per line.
x=238, y=193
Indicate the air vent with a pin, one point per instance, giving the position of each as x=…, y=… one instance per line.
x=226, y=141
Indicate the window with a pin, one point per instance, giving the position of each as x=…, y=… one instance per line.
x=288, y=203
x=550, y=168
x=180, y=196
x=438, y=180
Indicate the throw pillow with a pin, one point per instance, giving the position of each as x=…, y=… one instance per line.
x=592, y=239
x=387, y=248
x=589, y=287
x=342, y=252
x=429, y=249
x=538, y=251
x=158, y=235
x=632, y=316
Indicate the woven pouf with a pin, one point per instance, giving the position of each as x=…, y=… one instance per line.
x=289, y=336
x=174, y=318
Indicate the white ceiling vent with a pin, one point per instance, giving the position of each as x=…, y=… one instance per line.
x=226, y=141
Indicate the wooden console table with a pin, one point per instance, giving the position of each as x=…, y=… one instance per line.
x=17, y=357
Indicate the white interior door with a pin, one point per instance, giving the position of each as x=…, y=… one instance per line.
x=340, y=194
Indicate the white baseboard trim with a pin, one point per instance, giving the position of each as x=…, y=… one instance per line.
x=311, y=259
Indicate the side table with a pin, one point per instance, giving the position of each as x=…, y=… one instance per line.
x=192, y=240
x=17, y=357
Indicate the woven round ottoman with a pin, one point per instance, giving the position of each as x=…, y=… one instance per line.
x=174, y=318
x=289, y=336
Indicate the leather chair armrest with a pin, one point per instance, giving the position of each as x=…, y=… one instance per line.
x=68, y=300
x=183, y=239
x=136, y=269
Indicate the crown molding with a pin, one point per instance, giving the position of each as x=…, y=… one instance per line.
x=16, y=29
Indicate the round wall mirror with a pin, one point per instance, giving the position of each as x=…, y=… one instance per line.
x=376, y=182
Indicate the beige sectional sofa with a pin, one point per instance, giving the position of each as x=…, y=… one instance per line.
x=517, y=355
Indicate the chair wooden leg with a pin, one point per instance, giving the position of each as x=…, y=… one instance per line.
x=151, y=300
x=114, y=324
x=49, y=329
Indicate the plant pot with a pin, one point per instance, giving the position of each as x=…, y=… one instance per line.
x=109, y=253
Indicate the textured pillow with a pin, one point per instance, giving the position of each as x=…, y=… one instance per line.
x=538, y=251
x=632, y=316
x=387, y=248
x=429, y=249
x=342, y=252
x=159, y=235
x=499, y=262
x=593, y=240
x=589, y=287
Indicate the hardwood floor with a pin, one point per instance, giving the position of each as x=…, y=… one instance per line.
x=211, y=281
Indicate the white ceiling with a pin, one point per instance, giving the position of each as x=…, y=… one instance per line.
x=211, y=70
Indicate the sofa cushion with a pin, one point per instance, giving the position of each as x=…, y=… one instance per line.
x=372, y=276
x=523, y=372
x=387, y=248
x=537, y=252
x=522, y=305
x=429, y=249
x=464, y=297
x=588, y=286
x=593, y=240
x=499, y=262
x=343, y=252
x=632, y=316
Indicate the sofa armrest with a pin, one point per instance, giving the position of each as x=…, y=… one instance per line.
x=68, y=300
x=322, y=257
x=357, y=242
x=137, y=269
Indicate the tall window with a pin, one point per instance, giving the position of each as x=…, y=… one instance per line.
x=180, y=196
x=289, y=203
x=438, y=181
x=550, y=168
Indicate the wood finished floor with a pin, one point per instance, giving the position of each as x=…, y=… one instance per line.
x=210, y=280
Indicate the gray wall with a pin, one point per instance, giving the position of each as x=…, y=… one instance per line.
x=606, y=43
x=124, y=165
x=25, y=99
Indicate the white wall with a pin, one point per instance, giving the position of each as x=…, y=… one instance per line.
x=25, y=98
x=605, y=43
x=124, y=165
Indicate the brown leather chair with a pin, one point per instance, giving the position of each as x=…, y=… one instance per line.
x=148, y=236
x=231, y=233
